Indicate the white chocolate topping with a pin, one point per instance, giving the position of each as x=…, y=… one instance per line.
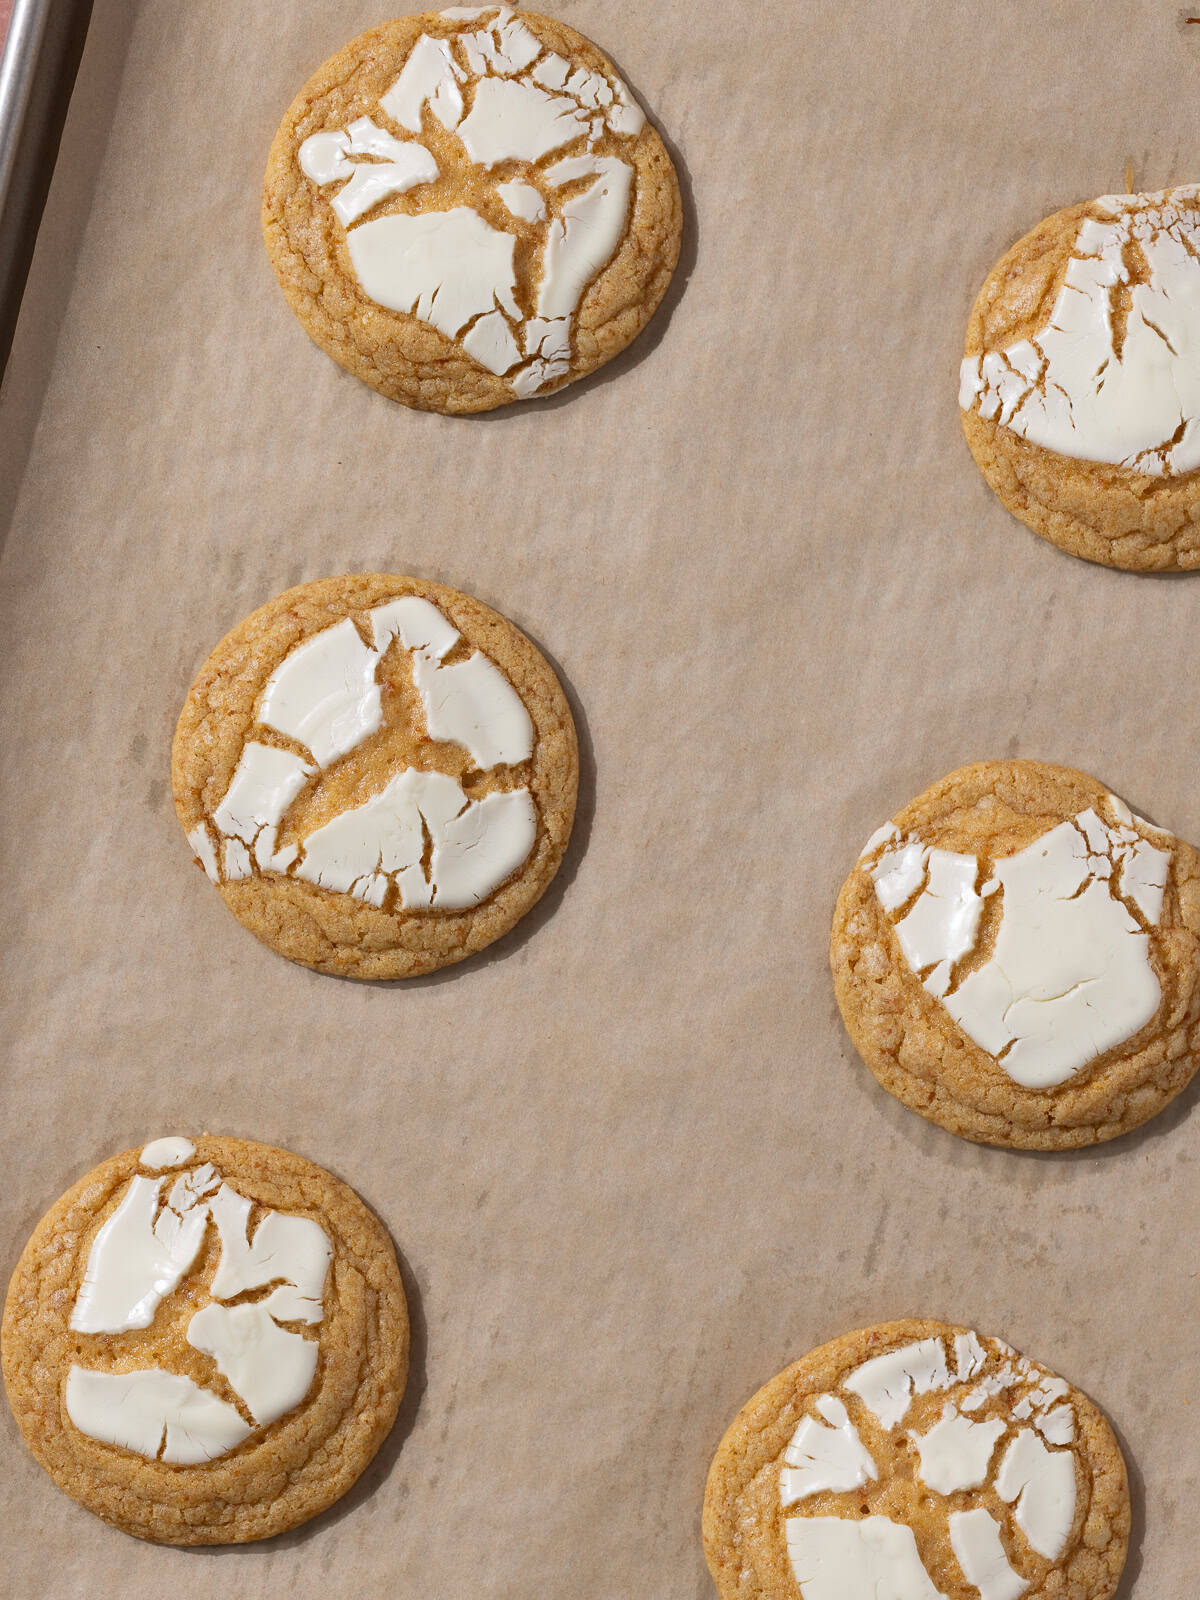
x=271, y=1369
x=975, y=1540
x=886, y=1384
x=141, y=1252
x=292, y=1248
x=326, y=157
x=855, y=1554
x=476, y=844
x=512, y=121
x=822, y=1457
x=323, y=693
x=170, y=1152
x=264, y=784
x=443, y=267
x=1114, y=375
x=835, y=1558
x=1043, y=1484
x=512, y=104
x=160, y=1415
x=523, y=200
x=421, y=838
x=137, y=1260
x=1069, y=975
x=956, y=1451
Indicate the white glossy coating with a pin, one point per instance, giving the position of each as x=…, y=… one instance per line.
x=323, y=694
x=421, y=833
x=326, y=157
x=138, y=1258
x=512, y=121
x=159, y=1415
x=586, y=235
x=523, y=200
x=1042, y=1482
x=857, y=1557
x=295, y=1249
x=975, y=1540
x=475, y=844
x=1069, y=975
x=886, y=1384
x=473, y=704
x=264, y=784
x=956, y=1451
x=172, y=1151
x=1114, y=375
x=140, y=1253
x=269, y=1367
x=430, y=77
x=835, y=1558
x=513, y=105
x=444, y=267
x=821, y=1457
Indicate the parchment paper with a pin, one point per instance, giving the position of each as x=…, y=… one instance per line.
x=631, y=1161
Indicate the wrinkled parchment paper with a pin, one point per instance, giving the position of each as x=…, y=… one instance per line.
x=629, y=1158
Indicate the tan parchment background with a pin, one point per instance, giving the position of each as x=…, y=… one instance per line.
x=629, y=1157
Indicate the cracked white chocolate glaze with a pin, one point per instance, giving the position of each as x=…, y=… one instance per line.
x=543, y=137
x=421, y=841
x=156, y=1235
x=1068, y=975
x=1114, y=374
x=989, y=1404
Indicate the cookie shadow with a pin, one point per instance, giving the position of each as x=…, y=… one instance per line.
x=538, y=915
x=651, y=336
x=1159, y=1126
x=385, y=1458
x=1137, y=1518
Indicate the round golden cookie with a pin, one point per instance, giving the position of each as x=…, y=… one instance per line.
x=917, y=1459
x=1016, y=956
x=400, y=807
x=466, y=208
x=206, y=1341
x=1138, y=507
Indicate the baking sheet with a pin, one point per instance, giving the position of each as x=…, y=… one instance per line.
x=628, y=1155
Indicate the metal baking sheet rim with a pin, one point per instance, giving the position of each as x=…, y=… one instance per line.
x=37, y=67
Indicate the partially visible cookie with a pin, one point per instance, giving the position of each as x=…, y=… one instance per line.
x=468, y=207
x=1080, y=386
x=917, y=1461
x=206, y=1341
x=378, y=773
x=1017, y=957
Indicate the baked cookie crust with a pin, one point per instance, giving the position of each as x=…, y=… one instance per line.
x=285, y=1472
x=921, y=1055
x=317, y=926
x=1105, y=513
x=744, y=1519
x=410, y=360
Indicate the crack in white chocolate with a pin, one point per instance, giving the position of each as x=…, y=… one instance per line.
x=1070, y=975
x=514, y=104
x=138, y=1259
x=858, y=1555
x=1114, y=376
x=421, y=838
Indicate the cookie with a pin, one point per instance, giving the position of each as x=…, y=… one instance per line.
x=468, y=207
x=1016, y=956
x=206, y=1341
x=1080, y=387
x=917, y=1461
x=379, y=775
